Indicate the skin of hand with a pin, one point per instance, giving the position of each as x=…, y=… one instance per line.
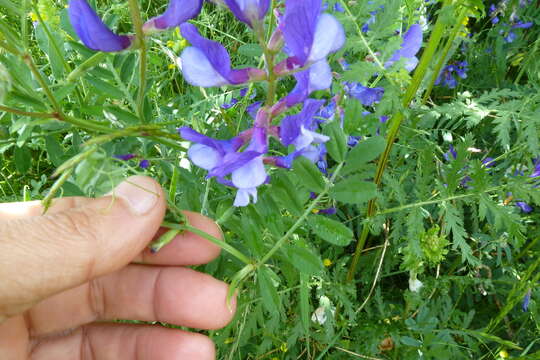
x=66, y=274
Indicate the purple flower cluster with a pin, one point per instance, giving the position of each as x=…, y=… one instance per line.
x=447, y=77
x=308, y=36
x=507, y=30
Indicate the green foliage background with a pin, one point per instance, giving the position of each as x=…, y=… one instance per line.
x=476, y=254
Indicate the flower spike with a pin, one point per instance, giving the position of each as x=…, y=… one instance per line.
x=178, y=12
x=92, y=31
x=207, y=63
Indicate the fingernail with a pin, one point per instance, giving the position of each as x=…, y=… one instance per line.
x=139, y=192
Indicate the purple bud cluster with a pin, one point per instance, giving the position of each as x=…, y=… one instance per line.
x=450, y=73
x=507, y=30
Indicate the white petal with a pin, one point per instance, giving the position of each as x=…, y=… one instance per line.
x=415, y=285
x=198, y=71
x=329, y=37
x=250, y=175
x=320, y=76
x=304, y=139
x=204, y=156
x=243, y=197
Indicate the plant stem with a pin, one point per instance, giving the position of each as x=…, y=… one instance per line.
x=442, y=58
x=301, y=219
x=221, y=243
x=418, y=76
x=26, y=113
x=138, y=25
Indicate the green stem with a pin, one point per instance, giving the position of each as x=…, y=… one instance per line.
x=138, y=25
x=27, y=58
x=88, y=64
x=24, y=24
x=419, y=74
x=26, y=113
x=301, y=219
x=442, y=58
x=221, y=243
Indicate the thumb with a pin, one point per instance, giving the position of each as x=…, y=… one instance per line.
x=43, y=255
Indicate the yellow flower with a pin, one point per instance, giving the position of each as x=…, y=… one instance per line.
x=503, y=354
x=172, y=66
x=33, y=17
x=327, y=262
x=170, y=43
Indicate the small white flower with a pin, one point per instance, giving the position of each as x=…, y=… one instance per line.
x=414, y=284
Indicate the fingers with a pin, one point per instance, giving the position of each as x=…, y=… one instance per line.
x=186, y=248
x=178, y=296
x=43, y=255
x=126, y=342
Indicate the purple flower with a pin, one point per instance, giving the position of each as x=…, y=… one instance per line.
x=447, y=78
x=298, y=129
x=522, y=25
x=144, y=164
x=249, y=11
x=451, y=153
x=524, y=207
x=526, y=300
x=328, y=211
x=536, y=172
x=206, y=63
x=178, y=12
x=125, y=157
x=221, y=158
x=371, y=20
x=367, y=96
x=510, y=37
x=253, y=109
x=412, y=42
x=317, y=77
x=488, y=162
x=493, y=14
x=92, y=31
x=309, y=35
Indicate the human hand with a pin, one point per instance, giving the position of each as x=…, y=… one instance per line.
x=63, y=275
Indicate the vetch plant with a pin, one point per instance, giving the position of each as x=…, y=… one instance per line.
x=373, y=166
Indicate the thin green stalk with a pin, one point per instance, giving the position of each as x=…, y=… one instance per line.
x=26, y=113
x=442, y=58
x=221, y=243
x=419, y=74
x=301, y=219
x=138, y=25
x=88, y=64
x=27, y=58
x=24, y=24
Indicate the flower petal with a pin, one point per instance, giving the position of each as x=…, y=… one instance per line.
x=198, y=71
x=248, y=11
x=299, y=24
x=216, y=56
x=243, y=197
x=204, y=156
x=329, y=37
x=178, y=12
x=92, y=31
x=250, y=175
